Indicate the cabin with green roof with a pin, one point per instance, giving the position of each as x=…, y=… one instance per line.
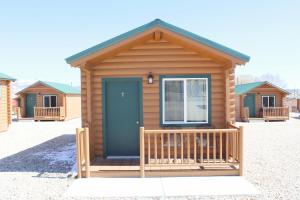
x=45, y=100
x=260, y=100
x=158, y=101
x=5, y=101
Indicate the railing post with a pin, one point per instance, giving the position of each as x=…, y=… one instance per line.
x=87, y=152
x=18, y=112
x=241, y=140
x=142, y=153
x=79, y=162
x=34, y=114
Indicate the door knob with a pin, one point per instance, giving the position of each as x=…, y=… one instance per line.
x=137, y=122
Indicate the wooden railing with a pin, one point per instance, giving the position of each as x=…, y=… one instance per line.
x=191, y=147
x=245, y=114
x=18, y=113
x=275, y=113
x=49, y=113
x=83, y=152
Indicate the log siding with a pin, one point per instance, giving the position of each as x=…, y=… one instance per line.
x=160, y=58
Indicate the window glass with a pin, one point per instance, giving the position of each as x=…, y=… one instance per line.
x=265, y=101
x=271, y=101
x=185, y=100
x=196, y=100
x=174, y=103
x=46, y=101
x=53, y=101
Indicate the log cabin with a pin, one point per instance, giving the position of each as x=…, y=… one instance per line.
x=49, y=101
x=5, y=101
x=158, y=101
x=261, y=100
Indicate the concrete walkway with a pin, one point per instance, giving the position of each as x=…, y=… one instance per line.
x=160, y=187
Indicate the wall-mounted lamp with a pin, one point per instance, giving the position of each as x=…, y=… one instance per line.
x=150, y=78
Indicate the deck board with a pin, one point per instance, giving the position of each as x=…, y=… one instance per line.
x=130, y=168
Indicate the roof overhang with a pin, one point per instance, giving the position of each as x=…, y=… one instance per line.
x=157, y=25
x=34, y=84
x=264, y=83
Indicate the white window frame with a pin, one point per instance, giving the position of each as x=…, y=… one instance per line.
x=50, y=95
x=268, y=96
x=184, y=101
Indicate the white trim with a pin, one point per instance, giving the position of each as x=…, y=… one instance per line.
x=184, y=100
x=50, y=95
x=268, y=96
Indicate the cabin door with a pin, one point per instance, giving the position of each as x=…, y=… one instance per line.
x=249, y=102
x=30, y=104
x=122, y=116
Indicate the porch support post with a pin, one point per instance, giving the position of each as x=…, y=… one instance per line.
x=87, y=152
x=241, y=141
x=142, y=152
x=79, y=162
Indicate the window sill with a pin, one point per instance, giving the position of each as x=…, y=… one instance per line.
x=206, y=125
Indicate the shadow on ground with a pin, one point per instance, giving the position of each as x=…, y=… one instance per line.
x=53, y=156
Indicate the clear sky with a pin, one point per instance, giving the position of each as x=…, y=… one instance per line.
x=36, y=36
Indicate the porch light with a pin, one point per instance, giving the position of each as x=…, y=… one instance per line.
x=150, y=78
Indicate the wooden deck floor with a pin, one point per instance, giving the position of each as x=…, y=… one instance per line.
x=130, y=168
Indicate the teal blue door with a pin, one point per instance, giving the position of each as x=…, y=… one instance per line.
x=30, y=104
x=249, y=101
x=122, y=116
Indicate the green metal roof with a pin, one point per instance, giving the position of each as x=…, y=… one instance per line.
x=64, y=88
x=6, y=77
x=244, y=88
x=165, y=25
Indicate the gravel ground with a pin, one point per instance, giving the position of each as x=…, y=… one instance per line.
x=35, y=158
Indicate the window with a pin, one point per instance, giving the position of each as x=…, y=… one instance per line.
x=50, y=101
x=268, y=101
x=185, y=101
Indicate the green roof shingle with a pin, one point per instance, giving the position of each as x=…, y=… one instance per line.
x=247, y=87
x=64, y=88
x=165, y=25
x=6, y=77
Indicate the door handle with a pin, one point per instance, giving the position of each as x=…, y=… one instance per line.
x=137, y=122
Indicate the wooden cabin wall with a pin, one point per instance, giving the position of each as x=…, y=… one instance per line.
x=238, y=107
x=5, y=105
x=40, y=90
x=160, y=58
x=73, y=106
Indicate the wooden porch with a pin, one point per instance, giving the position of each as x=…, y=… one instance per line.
x=276, y=114
x=268, y=114
x=175, y=152
x=45, y=113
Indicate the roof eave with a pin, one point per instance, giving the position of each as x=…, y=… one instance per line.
x=73, y=60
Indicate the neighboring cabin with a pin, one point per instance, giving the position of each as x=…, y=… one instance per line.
x=260, y=100
x=5, y=101
x=158, y=77
x=49, y=101
x=292, y=103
